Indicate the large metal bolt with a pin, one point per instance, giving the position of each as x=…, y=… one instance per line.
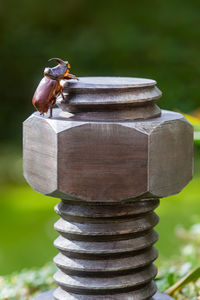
x=109, y=153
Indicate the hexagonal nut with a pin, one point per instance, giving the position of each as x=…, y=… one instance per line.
x=108, y=161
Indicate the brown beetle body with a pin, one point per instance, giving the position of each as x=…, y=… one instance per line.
x=45, y=94
x=49, y=87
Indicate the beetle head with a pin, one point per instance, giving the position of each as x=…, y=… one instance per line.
x=59, y=71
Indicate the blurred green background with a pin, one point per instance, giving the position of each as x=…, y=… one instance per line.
x=153, y=39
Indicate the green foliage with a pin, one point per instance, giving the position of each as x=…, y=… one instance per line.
x=196, y=124
x=156, y=39
x=10, y=165
x=178, y=277
x=26, y=228
x=191, y=277
x=171, y=281
x=27, y=284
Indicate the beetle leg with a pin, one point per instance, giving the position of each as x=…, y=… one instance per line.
x=50, y=113
x=61, y=91
x=70, y=76
x=53, y=101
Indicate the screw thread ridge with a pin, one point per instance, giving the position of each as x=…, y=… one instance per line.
x=106, y=251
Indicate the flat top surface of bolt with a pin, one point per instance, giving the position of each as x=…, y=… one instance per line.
x=112, y=82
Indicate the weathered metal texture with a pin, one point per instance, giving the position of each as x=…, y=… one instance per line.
x=117, y=97
x=49, y=296
x=110, y=154
x=106, y=250
x=108, y=161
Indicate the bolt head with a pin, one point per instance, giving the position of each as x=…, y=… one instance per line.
x=108, y=161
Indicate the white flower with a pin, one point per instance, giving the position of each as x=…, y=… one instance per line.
x=195, y=229
x=188, y=250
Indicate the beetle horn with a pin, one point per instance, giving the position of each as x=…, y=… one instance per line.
x=60, y=61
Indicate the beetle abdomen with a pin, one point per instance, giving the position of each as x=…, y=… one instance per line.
x=43, y=94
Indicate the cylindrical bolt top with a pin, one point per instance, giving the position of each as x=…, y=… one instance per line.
x=114, y=98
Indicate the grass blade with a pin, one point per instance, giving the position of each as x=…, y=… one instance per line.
x=190, y=277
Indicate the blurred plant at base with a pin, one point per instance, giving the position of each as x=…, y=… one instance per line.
x=28, y=284
x=168, y=275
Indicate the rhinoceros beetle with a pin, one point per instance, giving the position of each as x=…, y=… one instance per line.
x=49, y=87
